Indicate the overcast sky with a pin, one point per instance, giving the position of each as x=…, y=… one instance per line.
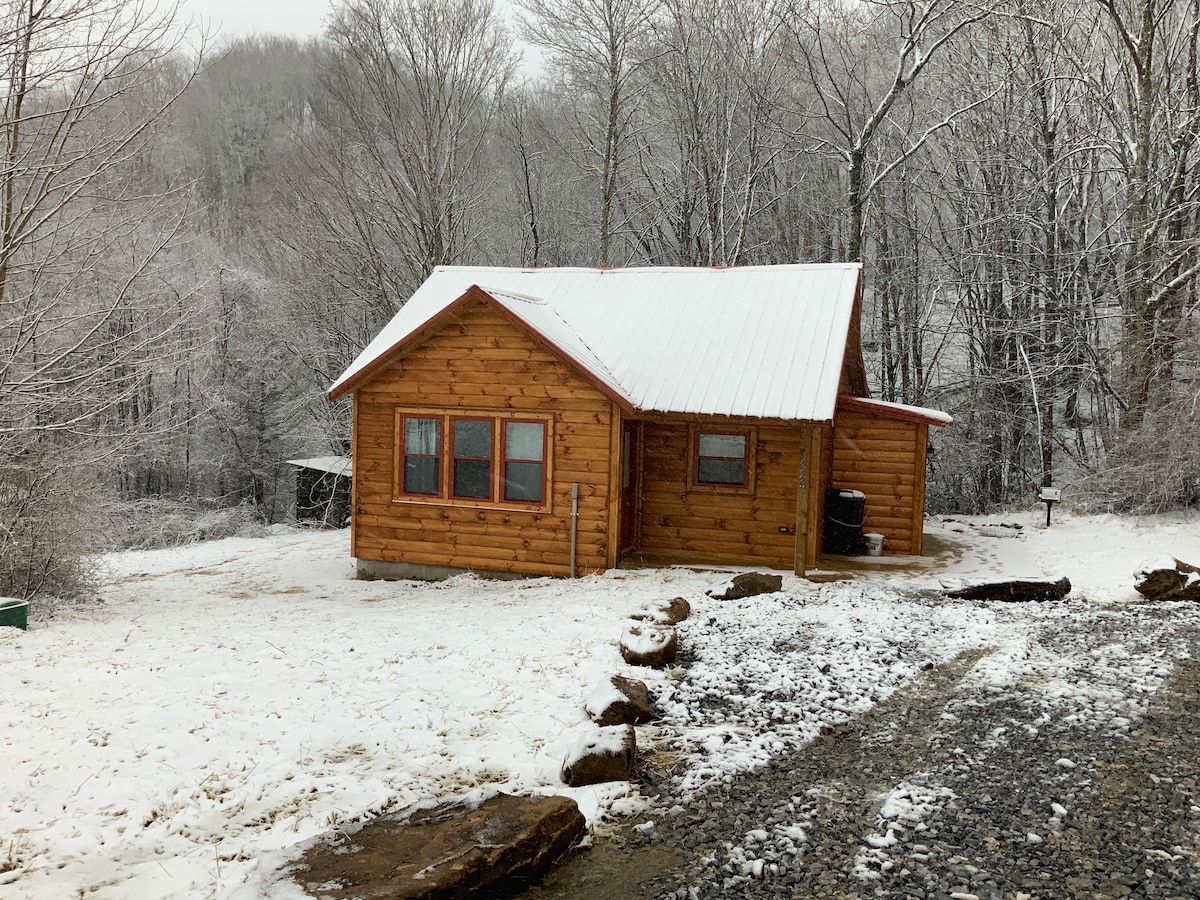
x=301, y=18
x=297, y=17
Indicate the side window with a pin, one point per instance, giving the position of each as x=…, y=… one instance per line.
x=471, y=447
x=422, y=456
x=722, y=459
x=524, y=461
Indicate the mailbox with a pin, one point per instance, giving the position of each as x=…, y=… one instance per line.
x=1050, y=496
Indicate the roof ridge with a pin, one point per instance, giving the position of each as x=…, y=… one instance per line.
x=601, y=270
x=529, y=298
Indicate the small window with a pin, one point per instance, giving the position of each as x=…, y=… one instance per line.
x=472, y=452
x=524, y=461
x=422, y=456
x=722, y=459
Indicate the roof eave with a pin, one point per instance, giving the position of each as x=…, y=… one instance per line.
x=894, y=411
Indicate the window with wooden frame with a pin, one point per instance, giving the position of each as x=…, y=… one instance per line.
x=473, y=458
x=421, y=451
x=524, y=461
x=722, y=459
x=471, y=453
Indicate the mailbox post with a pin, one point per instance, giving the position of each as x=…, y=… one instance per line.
x=1050, y=496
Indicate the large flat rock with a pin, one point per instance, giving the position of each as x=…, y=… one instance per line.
x=1167, y=578
x=495, y=849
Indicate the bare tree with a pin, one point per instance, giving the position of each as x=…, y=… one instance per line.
x=1139, y=60
x=596, y=43
x=840, y=47
x=715, y=87
x=83, y=240
x=415, y=87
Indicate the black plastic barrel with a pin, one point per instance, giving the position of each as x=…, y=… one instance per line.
x=845, y=512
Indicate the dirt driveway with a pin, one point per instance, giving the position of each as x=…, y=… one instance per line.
x=1080, y=780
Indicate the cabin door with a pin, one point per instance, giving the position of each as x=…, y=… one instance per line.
x=630, y=478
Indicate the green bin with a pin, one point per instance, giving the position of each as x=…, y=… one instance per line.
x=14, y=612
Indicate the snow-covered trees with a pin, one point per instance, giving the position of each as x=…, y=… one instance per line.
x=89, y=313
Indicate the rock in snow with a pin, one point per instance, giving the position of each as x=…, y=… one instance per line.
x=620, y=701
x=748, y=584
x=1167, y=578
x=670, y=613
x=599, y=755
x=450, y=851
x=1013, y=590
x=649, y=645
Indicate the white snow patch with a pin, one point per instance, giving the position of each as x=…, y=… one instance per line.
x=903, y=811
x=601, y=697
x=594, y=740
x=644, y=638
x=230, y=700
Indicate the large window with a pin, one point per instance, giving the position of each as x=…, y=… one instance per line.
x=477, y=459
x=722, y=459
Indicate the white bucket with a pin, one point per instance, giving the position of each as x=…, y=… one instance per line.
x=874, y=544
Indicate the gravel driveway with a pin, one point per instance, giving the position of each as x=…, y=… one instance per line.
x=1075, y=775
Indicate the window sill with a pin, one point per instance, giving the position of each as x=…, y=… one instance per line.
x=509, y=506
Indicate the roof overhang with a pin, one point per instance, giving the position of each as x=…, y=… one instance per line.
x=901, y=411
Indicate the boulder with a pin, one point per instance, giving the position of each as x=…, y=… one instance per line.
x=620, y=701
x=1167, y=578
x=748, y=584
x=1013, y=590
x=670, y=613
x=599, y=755
x=452, y=851
x=648, y=645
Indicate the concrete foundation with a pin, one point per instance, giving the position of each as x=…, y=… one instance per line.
x=377, y=570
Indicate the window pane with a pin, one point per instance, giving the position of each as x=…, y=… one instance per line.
x=722, y=471
x=421, y=475
x=524, y=440
x=472, y=438
x=523, y=481
x=422, y=436
x=723, y=445
x=473, y=478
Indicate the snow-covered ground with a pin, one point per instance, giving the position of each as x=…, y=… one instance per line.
x=229, y=700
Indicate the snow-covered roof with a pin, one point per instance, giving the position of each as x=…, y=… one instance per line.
x=897, y=410
x=758, y=341
x=334, y=465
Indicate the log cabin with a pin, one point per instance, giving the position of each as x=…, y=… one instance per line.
x=555, y=421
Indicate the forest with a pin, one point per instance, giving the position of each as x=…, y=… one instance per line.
x=197, y=235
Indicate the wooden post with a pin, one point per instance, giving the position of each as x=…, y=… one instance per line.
x=614, y=484
x=920, y=453
x=803, y=480
x=354, y=477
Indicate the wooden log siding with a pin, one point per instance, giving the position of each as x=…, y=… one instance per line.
x=885, y=459
x=722, y=525
x=483, y=362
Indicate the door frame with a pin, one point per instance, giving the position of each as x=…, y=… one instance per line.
x=630, y=483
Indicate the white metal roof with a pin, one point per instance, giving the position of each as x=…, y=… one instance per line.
x=334, y=465
x=760, y=341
